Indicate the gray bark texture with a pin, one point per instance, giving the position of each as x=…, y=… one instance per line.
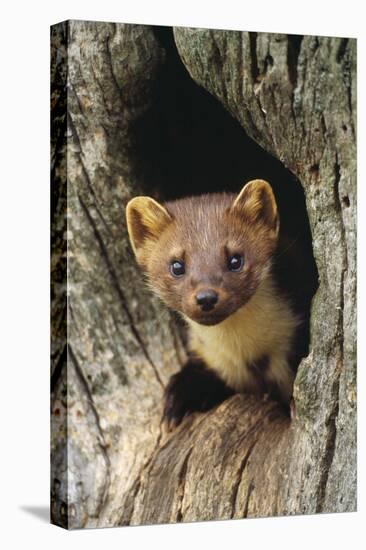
x=114, y=346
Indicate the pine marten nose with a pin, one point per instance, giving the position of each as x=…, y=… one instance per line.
x=207, y=299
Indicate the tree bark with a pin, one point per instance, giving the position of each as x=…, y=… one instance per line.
x=114, y=346
x=121, y=345
x=297, y=98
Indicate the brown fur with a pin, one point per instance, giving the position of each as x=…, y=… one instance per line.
x=251, y=320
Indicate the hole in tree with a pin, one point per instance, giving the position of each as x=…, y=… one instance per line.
x=346, y=201
x=188, y=144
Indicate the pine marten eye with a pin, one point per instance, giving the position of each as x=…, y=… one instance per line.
x=235, y=262
x=177, y=268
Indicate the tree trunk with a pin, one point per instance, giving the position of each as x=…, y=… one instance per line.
x=114, y=346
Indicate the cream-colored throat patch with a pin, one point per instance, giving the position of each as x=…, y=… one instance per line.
x=263, y=327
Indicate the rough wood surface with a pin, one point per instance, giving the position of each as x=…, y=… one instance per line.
x=111, y=462
x=297, y=98
x=122, y=345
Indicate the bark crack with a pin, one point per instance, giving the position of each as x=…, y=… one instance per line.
x=102, y=94
x=57, y=371
x=101, y=442
x=342, y=50
x=293, y=52
x=96, y=202
x=253, y=56
x=80, y=105
x=182, y=485
x=110, y=63
x=294, y=42
x=220, y=63
x=74, y=133
x=343, y=59
x=333, y=414
x=138, y=481
x=246, y=506
x=329, y=446
x=236, y=486
x=114, y=278
x=241, y=67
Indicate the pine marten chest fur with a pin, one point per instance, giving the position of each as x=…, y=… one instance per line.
x=249, y=349
x=211, y=258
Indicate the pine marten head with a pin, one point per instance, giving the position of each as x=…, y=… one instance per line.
x=206, y=256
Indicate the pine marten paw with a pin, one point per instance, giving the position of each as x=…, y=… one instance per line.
x=194, y=389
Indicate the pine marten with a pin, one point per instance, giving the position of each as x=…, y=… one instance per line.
x=212, y=259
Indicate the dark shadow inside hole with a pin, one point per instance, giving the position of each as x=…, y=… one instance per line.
x=187, y=143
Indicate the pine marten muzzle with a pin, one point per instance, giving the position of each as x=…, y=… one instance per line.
x=210, y=258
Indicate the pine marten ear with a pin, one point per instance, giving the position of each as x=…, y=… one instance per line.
x=146, y=219
x=257, y=204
